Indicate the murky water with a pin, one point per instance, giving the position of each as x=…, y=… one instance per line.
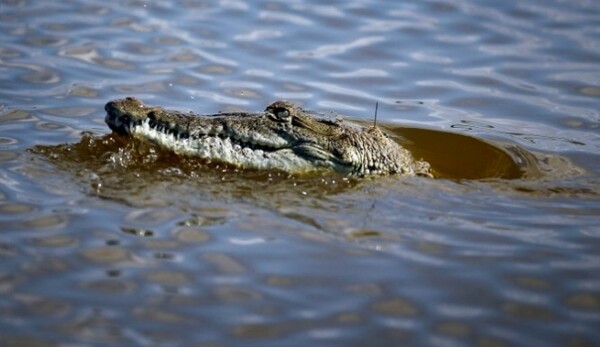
x=106, y=241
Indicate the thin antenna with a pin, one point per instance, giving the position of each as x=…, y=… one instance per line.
x=375, y=119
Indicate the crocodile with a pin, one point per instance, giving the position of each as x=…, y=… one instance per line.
x=283, y=137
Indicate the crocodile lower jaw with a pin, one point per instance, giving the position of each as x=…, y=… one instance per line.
x=222, y=149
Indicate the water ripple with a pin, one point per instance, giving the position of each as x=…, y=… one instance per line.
x=274, y=16
x=147, y=244
x=327, y=50
x=258, y=35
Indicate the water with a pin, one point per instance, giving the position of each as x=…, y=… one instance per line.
x=111, y=242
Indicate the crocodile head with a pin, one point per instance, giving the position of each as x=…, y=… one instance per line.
x=283, y=137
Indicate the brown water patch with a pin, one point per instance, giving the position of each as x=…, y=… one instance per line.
x=216, y=69
x=15, y=115
x=149, y=87
x=83, y=91
x=225, y=264
x=8, y=156
x=161, y=244
x=528, y=311
x=192, y=236
x=14, y=208
x=236, y=295
x=107, y=255
x=59, y=241
x=53, y=221
x=161, y=316
x=454, y=328
x=71, y=111
x=171, y=277
x=585, y=301
x=457, y=156
x=396, y=307
x=109, y=286
x=257, y=331
x=533, y=283
x=43, y=306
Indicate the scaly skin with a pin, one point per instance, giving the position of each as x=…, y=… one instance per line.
x=283, y=137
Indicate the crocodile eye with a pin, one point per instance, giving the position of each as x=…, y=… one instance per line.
x=281, y=114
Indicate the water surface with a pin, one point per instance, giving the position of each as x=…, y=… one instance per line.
x=106, y=241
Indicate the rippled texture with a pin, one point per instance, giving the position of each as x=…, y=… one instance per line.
x=106, y=241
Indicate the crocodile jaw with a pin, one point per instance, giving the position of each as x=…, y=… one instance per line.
x=223, y=149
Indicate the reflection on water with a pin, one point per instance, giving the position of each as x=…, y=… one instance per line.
x=106, y=241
